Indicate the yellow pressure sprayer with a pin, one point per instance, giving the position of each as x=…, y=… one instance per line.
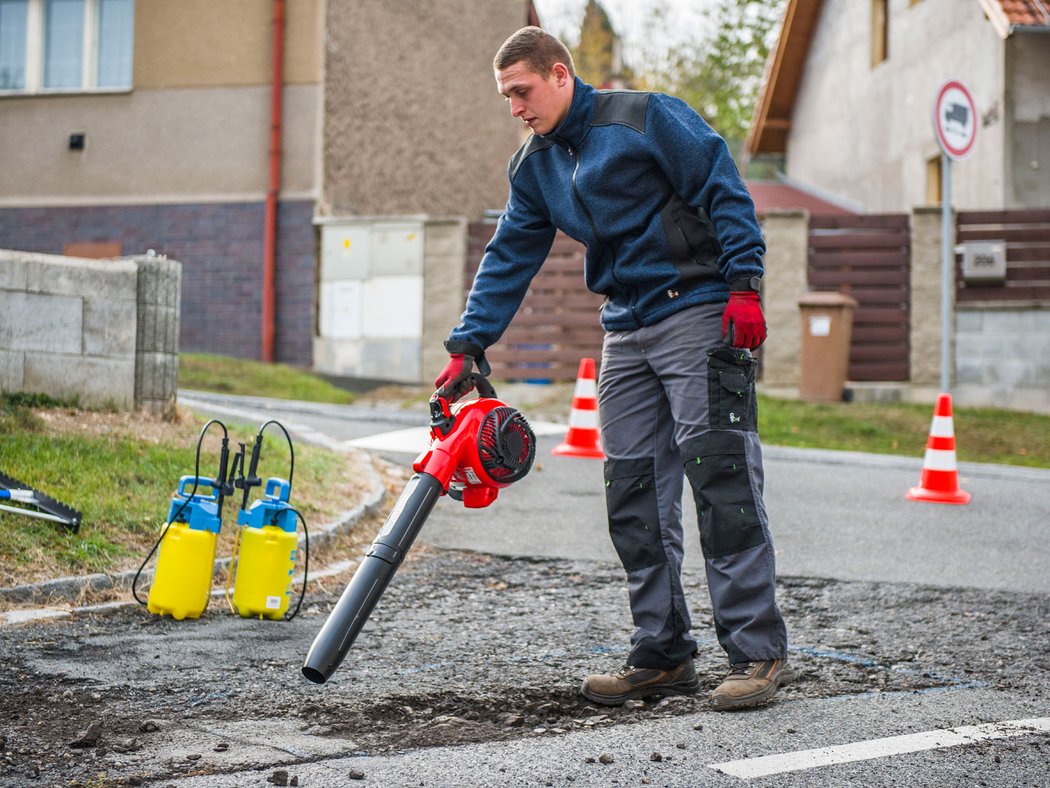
x=265, y=548
x=182, y=580
x=267, y=543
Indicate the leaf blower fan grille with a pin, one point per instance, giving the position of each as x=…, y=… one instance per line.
x=506, y=445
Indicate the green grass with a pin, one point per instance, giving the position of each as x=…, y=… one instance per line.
x=228, y=375
x=981, y=434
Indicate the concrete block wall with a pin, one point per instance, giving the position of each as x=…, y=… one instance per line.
x=1002, y=356
x=70, y=328
x=220, y=246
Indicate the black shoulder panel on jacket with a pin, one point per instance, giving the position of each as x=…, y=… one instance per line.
x=626, y=107
x=533, y=144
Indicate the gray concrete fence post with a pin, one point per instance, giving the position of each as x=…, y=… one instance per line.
x=157, y=333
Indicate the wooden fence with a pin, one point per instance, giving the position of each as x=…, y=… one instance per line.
x=1027, y=237
x=557, y=323
x=867, y=257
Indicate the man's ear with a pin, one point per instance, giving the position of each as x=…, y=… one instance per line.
x=561, y=73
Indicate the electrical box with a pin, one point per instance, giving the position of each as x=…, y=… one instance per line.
x=984, y=262
x=346, y=251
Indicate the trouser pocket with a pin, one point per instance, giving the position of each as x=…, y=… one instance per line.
x=634, y=517
x=716, y=466
x=731, y=390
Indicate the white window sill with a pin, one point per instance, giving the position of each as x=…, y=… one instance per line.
x=64, y=92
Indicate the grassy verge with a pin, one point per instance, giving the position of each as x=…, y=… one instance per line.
x=121, y=470
x=227, y=375
x=981, y=435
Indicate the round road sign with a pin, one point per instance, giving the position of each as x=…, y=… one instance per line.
x=955, y=119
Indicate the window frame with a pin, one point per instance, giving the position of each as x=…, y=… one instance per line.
x=880, y=32
x=35, y=54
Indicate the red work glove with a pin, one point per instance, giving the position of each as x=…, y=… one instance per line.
x=743, y=324
x=454, y=380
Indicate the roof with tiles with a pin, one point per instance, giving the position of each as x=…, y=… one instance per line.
x=1022, y=13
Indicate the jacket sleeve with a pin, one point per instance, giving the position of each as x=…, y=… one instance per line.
x=522, y=241
x=697, y=163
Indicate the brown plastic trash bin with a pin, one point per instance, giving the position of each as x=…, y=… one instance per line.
x=827, y=322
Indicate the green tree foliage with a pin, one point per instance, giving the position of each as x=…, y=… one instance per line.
x=597, y=55
x=720, y=76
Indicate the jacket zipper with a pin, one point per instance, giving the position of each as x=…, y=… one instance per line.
x=594, y=227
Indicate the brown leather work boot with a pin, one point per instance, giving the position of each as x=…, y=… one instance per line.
x=751, y=683
x=631, y=682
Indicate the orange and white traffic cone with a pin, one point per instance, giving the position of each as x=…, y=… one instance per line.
x=940, y=476
x=582, y=439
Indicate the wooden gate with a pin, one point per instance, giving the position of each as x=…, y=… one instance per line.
x=557, y=323
x=868, y=258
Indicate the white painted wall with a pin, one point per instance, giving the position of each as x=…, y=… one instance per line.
x=866, y=133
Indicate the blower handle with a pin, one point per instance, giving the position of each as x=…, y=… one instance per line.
x=441, y=417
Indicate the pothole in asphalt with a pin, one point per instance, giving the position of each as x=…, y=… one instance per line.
x=465, y=648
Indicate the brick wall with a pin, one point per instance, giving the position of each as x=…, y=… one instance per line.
x=220, y=247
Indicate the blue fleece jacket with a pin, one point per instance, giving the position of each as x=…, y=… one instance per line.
x=652, y=192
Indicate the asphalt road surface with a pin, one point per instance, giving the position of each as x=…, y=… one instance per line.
x=920, y=633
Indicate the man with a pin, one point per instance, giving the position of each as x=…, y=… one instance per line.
x=674, y=245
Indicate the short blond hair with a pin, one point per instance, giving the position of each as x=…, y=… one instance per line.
x=535, y=47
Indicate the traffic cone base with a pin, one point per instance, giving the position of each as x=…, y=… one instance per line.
x=939, y=482
x=583, y=438
x=934, y=496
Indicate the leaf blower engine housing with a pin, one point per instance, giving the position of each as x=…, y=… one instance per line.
x=478, y=447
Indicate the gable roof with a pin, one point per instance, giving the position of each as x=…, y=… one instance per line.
x=771, y=121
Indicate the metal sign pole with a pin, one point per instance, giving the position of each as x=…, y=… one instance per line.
x=955, y=124
x=947, y=260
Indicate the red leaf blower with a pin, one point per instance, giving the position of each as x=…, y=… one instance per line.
x=476, y=448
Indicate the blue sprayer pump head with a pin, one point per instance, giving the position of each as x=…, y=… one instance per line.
x=272, y=509
x=199, y=511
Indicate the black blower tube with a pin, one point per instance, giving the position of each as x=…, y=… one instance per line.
x=372, y=577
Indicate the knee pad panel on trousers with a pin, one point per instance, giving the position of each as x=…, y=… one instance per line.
x=634, y=517
x=716, y=466
x=731, y=390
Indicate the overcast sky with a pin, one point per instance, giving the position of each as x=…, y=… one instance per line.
x=647, y=28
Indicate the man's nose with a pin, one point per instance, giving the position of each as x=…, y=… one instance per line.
x=517, y=108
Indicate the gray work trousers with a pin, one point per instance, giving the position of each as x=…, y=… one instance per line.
x=676, y=401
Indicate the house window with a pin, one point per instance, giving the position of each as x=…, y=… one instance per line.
x=65, y=45
x=880, y=20
x=933, y=181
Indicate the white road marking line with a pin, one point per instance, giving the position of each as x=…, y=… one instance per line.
x=880, y=748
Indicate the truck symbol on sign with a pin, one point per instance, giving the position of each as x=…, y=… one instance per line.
x=957, y=113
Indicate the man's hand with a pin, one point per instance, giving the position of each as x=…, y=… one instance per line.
x=743, y=324
x=454, y=380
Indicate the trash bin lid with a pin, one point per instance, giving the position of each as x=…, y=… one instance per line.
x=827, y=298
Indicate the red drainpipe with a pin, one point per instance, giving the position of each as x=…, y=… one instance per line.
x=269, y=296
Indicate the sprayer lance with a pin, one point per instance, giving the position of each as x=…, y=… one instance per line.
x=372, y=577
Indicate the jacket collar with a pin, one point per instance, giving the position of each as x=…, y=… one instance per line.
x=577, y=121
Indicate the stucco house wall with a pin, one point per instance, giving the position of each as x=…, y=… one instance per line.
x=1027, y=110
x=865, y=133
x=414, y=124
